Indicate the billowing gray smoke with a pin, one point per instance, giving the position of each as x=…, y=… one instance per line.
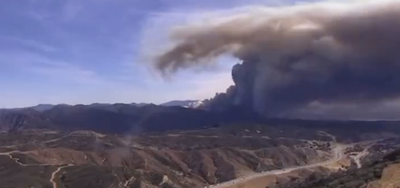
x=298, y=55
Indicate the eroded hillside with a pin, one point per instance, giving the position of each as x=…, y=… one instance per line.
x=179, y=159
x=87, y=159
x=150, y=146
x=383, y=173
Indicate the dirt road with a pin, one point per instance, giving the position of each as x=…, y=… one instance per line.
x=53, y=175
x=358, y=157
x=337, y=154
x=16, y=159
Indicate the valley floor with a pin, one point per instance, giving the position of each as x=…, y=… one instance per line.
x=208, y=158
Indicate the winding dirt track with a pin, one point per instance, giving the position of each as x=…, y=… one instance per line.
x=337, y=154
x=53, y=175
x=15, y=159
x=357, y=159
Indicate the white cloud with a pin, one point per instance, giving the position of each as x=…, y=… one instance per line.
x=209, y=86
x=54, y=68
x=193, y=84
x=29, y=43
x=185, y=85
x=133, y=83
x=61, y=70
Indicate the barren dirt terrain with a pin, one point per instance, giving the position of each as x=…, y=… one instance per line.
x=217, y=157
x=128, y=146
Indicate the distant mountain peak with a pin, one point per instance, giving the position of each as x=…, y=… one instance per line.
x=41, y=107
x=184, y=103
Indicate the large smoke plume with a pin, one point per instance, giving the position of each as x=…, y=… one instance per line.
x=294, y=56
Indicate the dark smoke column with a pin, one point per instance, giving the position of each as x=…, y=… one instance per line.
x=239, y=96
x=299, y=59
x=243, y=77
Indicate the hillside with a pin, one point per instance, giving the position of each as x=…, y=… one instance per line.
x=383, y=173
x=86, y=158
x=155, y=146
x=117, y=118
x=178, y=159
x=133, y=119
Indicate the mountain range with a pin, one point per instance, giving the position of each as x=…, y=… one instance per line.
x=154, y=146
x=116, y=118
x=181, y=103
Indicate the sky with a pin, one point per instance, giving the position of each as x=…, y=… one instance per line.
x=87, y=51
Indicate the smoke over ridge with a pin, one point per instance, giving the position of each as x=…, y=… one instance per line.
x=294, y=56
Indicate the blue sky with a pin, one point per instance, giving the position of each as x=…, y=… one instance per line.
x=86, y=51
